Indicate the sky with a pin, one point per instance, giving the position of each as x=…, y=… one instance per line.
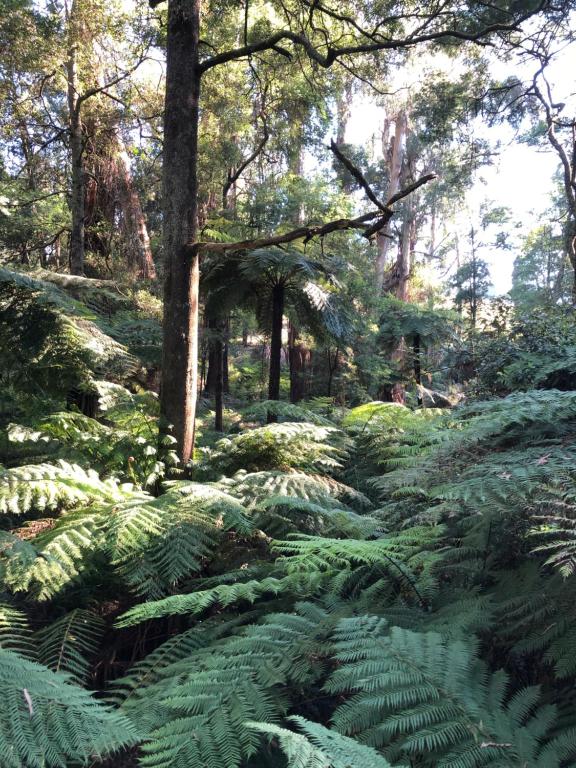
x=521, y=177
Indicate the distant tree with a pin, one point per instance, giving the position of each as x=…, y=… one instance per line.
x=539, y=275
x=471, y=282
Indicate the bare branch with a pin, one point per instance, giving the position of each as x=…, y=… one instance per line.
x=357, y=175
x=233, y=177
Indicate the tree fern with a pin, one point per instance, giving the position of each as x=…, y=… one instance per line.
x=319, y=747
x=280, y=446
x=15, y=631
x=45, y=720
x=420, y=696
x=47, y=487
x=214, y=691
x=253, y=487
x=67, y=644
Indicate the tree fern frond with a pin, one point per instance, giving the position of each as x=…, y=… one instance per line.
x=45, y=720
x=47, y=487
x=285, y=412
x=15, y=632
x=67, y=644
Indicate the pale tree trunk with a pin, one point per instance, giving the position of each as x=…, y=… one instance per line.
x=134, y=230
x=571, y=250
x=180, y=196
x=394, y=151
x=343, y=109
x=405, y=252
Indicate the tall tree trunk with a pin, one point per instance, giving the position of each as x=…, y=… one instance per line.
x=405, y=250
x=134, y=230
x=219, y=383
x=395, y=155
x=571, y=248
x=76, y=253
x=180, y=213
x=276, y=344
x=343, y=109
x=210, y=384
x=332, y=367
x=416, y=349
x=225, y=360
x=297, y=358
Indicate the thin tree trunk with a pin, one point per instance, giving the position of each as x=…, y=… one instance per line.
x=225, y=360
x=210, y=384
x=332, y=367
x=219, y=384
x=180, y=196
x=404, y=256
x=276, y=345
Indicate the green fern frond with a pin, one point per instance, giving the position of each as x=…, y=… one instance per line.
x=48, y=487
x=68, y=644
x=15, y=632
x=431, y=700
x=285, y=412
x=253, y=488
x=46, y=721
x=320, y=747
x=223, y=595
x=283, y=445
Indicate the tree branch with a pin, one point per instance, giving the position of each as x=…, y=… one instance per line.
x=383, y=216
x=357, y=175
x=333, y=52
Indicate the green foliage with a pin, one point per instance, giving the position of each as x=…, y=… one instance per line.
x=320, y=747
x=525, y=349
x=46, y=487
x=431, y=700
x=46, y=720
x=287, y=445
x=68, y=644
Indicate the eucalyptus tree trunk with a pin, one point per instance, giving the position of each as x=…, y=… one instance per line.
x=134, y=229
x=276, y=344
x=180, y=214
x=405, y=253
x=394, y=151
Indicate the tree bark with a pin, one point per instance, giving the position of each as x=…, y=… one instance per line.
x=332, y=367
x=395, y=153
x=403, y=264
x=77, y=211
x=134, y=229
x=298, y=356
x=219, y=383
x=416, y=348
x=180, y=196
x=276, y=344
x=225, y=359
x=210, y=384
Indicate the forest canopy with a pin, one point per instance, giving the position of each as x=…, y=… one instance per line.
x=287, y=384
